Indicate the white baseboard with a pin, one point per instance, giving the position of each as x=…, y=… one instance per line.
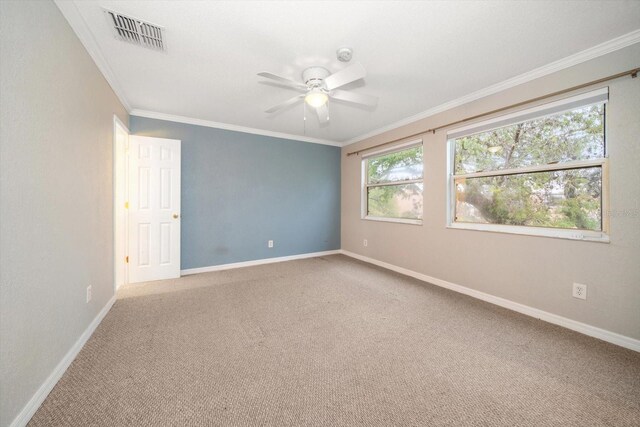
x=32, y=406
x=583, y=328
x=256, y=262
x=627, y=342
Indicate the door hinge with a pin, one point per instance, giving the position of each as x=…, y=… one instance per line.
x=126, y=205
x=126, y=259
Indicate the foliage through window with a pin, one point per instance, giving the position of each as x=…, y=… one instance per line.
x=542, y=172
x=393, y=184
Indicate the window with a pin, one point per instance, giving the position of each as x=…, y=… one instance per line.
x=392, y=184
x=541, y=171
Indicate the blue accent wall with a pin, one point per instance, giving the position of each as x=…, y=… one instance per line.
x=240, y=190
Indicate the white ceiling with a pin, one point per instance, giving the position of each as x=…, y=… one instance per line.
x=418, y=55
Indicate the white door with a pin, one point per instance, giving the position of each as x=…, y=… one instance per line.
x=154, y=208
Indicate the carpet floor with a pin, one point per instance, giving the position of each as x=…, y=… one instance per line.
x=334, y=342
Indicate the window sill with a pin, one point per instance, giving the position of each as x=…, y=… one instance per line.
x=556, y=233
x=395, y=220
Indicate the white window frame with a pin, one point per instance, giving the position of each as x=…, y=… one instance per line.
x=595, y=97
x=365, y=183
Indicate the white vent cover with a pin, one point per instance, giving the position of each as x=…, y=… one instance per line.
x=136, y=31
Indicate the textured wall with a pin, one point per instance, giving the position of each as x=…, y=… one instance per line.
x=240, y=190
x=56, y=233
x=536, y=271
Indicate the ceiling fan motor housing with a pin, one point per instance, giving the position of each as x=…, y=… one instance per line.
x=314, y=76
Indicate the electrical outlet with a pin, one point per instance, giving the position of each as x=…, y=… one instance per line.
x=88, y=293
x=270, y=243
x=365, y=243
x=579, y=291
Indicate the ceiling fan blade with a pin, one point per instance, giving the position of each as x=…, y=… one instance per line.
x=283, y=86
x=357, y=98
x=323, y=114
x=286, y=103
x=350, y=74
x=285, y=80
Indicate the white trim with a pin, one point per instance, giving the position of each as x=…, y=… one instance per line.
x=556, y=233
x=77, y=22
x=120, y=152
x=252, y=263
x=451, y=199
x=225, y=126
x=390, y=219
x=574, y=164
x=34, y=403
x=559, y=65
x=117, y=120
x=390, y=183
x=583, y=328
x=81, y=28
x=79, y=25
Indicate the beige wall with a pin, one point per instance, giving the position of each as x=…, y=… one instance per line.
x=535, y=271
x=56, y=195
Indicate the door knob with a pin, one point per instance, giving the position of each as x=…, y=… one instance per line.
x=176, y=216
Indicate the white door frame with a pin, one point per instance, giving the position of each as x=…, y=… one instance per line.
x=120, y=197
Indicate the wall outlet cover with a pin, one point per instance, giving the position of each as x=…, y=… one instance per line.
x=579, y=291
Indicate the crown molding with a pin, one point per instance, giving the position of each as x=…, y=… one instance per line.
x=226, y=126
x=79, y=25
x=561, y=64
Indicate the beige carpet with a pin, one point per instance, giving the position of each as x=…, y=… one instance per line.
x=334, y=342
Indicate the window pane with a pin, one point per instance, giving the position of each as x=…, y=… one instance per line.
x=399, y=166
x=561, y=199
x=395, y=201
x=573, y=135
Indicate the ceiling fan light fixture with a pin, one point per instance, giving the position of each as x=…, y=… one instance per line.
x=316, y=98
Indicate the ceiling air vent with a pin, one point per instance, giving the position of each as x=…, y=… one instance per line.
x=136, y=31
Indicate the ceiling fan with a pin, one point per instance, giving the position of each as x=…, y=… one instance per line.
x=319, y=85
